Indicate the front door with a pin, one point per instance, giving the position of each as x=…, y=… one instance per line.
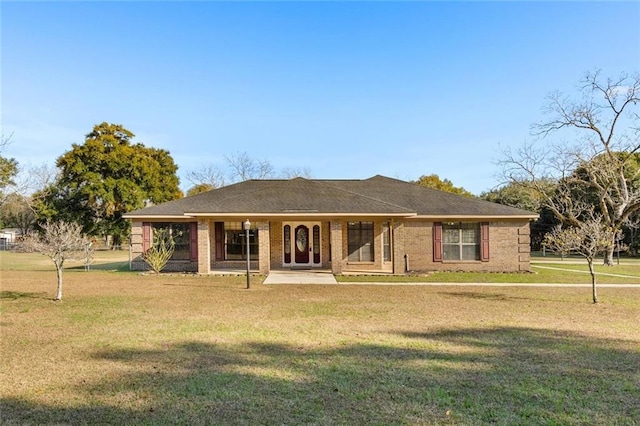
x=301, y=244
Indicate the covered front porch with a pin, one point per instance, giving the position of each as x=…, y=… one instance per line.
x=294, y=244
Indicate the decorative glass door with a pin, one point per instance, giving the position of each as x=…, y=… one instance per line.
x=301, y=243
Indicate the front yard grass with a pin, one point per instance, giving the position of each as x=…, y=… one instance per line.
x=124, y=348
x=553, y=273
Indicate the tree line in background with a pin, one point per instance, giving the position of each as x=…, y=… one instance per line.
x=594, y=179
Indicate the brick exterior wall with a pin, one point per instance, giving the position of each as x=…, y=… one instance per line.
x=276, y=245
x=509, y=249
x=137, y=264
x=398, y=247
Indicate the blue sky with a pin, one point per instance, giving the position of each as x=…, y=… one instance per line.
x=345, y=89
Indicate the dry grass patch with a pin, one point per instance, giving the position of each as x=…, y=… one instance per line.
x=129, y=349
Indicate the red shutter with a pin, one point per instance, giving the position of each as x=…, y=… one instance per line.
x=219, y=231
x=146, y=236
x=193, y=241
x=484, y=241
x=437, y=241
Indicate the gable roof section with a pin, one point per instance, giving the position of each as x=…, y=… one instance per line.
x=378, y=195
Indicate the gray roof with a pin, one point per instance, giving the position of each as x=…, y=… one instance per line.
x=378, y=195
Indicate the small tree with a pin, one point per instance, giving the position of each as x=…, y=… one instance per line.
x=589, y=238
x=161, y=250
x=59, y=241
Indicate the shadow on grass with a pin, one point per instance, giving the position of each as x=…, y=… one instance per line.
x=468, y=376
x=14, y=295
x=481, y=296
x=108, y=266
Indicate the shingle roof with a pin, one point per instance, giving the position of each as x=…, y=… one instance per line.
x=378, y=195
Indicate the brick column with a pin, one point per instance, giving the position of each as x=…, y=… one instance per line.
x=264, y=249
x=136, y=238
x=524, y=248
x=398, y=247
x=204, y=249
x=336, y=247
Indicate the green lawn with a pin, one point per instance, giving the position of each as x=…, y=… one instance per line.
x=125, y=348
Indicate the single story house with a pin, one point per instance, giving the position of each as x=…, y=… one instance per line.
x=378, y=224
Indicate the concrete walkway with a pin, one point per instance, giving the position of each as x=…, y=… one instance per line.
x=300, y=277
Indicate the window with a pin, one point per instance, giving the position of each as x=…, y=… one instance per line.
x=360, y=241
x=235, y=242
x=181, y=235
x=461, y=241
x=386, y=242
x=287, y=243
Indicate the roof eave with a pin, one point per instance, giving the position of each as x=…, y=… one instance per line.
x=155, y=216
x=300, y=214
x=478, y=216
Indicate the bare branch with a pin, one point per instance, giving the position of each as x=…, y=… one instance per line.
x=294, y=172
x=59, y=241
x=208, y=175
x=244, y=167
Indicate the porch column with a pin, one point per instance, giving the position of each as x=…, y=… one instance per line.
x=264, y=248
x=204, y=249
x=397, y=242
x=336, y=247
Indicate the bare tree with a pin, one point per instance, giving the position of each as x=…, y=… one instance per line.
x=5, y=140
x=211, y=176
x=602, y=166
x=244, y=167
x=240, y=167
x=592, y=236
x=59, y=241
x=295, y=172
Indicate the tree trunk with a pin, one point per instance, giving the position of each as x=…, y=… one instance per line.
x=59, y=272
x=593, y=281
x=608, y=256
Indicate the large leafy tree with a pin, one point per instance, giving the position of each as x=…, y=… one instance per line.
x=16, y=212
x=433, y=181
x=107, y=176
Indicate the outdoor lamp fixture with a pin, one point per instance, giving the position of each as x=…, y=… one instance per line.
x=247, y=226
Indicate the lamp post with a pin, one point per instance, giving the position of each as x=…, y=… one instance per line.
x=247, y=226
